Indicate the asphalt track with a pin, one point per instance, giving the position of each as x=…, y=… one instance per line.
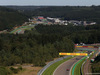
x=61, y=70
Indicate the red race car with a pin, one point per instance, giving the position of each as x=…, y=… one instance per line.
x=67, y=69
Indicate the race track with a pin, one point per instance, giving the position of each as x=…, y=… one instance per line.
x=61, y=70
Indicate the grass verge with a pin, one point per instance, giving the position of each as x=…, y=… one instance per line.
x=51, y=69
x=22, y=28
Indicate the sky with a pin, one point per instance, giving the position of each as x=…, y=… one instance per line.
x=51, y=2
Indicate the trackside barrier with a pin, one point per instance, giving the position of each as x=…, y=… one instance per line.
x=50, y=63
x=86, y=46
x=82, y=67
x=82, y=73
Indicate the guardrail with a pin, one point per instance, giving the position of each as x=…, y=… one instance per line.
x=50, y=63
x=82, y=67
x=82, y=73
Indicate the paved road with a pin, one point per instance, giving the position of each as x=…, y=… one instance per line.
x=61, y=70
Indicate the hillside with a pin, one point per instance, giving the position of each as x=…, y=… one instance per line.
x=71, y=12
x=89, y=13
x=27, y=10
x=43, y=43
x=10, y=18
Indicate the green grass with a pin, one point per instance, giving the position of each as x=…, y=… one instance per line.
x=15, y=30
x=83, y=51
x=76, y=70
x=51, y=69
x=22, y=28
x=3, y=71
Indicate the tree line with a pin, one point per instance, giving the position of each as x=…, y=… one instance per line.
x=43, y=43
x=78, y=34
x=32, y=47
x=83, y=13
x=88, y=13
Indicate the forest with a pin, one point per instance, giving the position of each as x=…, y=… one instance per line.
x=43, y=43
x=32, y=47
x=88, y=13
x=10, y=18
x=70, y=12
x=78, y=34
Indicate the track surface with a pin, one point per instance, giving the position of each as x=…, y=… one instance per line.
x=61, y=70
